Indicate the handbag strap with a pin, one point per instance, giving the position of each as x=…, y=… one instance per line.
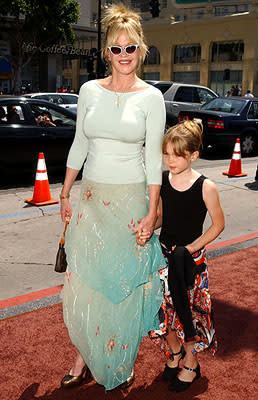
x=62, y=240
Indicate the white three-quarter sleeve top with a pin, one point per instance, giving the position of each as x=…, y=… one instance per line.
x=111, y=130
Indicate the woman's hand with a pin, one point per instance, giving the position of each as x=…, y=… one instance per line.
x=65, y=209
x=145, y=229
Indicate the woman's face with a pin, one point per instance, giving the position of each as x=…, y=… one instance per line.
x=124, y=63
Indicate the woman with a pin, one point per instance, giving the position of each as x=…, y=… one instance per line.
x=112, y=292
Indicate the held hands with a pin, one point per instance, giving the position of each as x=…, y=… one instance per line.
x=144, y=230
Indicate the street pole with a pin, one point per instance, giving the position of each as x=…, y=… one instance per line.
x=99, y=61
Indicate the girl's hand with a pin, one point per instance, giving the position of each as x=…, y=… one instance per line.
x=190, y=249
x=65, y=209
x=142, y=237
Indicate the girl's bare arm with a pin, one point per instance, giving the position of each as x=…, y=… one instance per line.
x=211, y=199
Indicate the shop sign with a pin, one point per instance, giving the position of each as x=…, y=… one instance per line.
x=67, y=50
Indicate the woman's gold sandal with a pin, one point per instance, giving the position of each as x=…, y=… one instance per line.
x=129, y=381
x=69, y=381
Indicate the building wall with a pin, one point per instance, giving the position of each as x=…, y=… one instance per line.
x=85, y=13
x=231, y=28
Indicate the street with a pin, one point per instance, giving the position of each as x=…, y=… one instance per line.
x=29, y=235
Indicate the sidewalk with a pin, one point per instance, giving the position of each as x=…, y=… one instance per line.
x=29, y=235
x=51, y=296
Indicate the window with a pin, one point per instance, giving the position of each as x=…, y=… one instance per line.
x=67, y=63
x=204, y=95
x=153, y=57
x=225, y=105
x=222, y=86
x=253, y=111
x=163, y=87
x=58, y=118
x=143, y=5
x=227, y=51
x=11, y=114
x=185, y=94
x=187, y=77
x=153, y=76
x=187, y=54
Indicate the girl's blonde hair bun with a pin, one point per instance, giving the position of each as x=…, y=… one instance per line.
x=198, y=121
x=184, y=137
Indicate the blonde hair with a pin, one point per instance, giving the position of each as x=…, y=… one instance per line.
x=119, y=18
x=184, y=137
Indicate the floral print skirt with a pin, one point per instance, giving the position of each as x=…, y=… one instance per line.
x=112, y=291
x=200, y=304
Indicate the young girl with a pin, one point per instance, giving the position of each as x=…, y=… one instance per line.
x=186, y=323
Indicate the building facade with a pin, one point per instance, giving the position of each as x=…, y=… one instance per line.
x=213, y=43
x=51, y=67
x=215, y=52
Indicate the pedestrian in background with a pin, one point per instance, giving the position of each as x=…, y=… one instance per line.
x=249, y=94
x=186, y=320
x=112, y=291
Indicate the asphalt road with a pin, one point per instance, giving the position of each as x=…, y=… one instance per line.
x=29, y=235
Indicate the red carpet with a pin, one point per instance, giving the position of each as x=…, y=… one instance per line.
x=35, y=351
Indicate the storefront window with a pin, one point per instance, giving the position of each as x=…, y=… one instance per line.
x=67, y=63
x=153, y=56
x=187, y=54
x=152, y=76
x=220, y=85
x=187, y=77
x=227, y=51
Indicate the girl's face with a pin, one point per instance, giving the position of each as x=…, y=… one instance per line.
x=124, y=63
x=178, y=164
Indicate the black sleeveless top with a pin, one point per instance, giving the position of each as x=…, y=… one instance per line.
x=183, y=213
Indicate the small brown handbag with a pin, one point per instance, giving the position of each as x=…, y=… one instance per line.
x=61, y=262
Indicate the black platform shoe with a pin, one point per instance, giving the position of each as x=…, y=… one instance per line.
x=69, y=381
x=180, y=386
x=170, y=373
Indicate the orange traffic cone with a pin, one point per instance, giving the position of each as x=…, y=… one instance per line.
x=235, y=168
x=41, y=194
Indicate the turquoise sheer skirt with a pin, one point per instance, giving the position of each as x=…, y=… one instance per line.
x=112, y=291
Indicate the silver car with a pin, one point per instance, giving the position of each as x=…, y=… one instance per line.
x=184, y=96
x=67, y=100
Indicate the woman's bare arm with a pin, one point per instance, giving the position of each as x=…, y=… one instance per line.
x=65, y=203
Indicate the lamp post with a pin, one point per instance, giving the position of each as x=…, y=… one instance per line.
x=99, y=61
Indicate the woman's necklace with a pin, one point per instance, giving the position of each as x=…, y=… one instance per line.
x=120, y=94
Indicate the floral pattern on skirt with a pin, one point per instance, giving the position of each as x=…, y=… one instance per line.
x=200, y=304
x=112, y=292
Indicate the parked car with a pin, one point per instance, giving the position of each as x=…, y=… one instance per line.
x=67, y=100
x=227, y=118
x=25, y=130
x=181, y=96
x=163, y=86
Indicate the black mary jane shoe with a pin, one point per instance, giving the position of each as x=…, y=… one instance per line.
x=180, y=386
x=170, y=373
x=69, y=381
x=129, y=381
